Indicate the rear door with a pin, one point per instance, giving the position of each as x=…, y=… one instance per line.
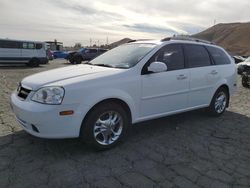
x=203, y=75
x=93, y=53
x=89, y=54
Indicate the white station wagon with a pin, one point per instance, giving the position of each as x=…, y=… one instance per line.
x=135, y=82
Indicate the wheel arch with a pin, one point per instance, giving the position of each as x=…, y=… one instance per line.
x=34, y=59
x=118, y=101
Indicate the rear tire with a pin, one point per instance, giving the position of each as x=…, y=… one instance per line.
x=244, y=81
x=78, y=60
x=219, y=102
x=33, y=63
x=71, y=60
x=105, y=126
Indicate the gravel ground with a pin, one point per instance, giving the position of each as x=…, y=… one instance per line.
x=187, y=150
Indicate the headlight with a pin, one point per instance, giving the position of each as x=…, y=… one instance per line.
x=49, y=95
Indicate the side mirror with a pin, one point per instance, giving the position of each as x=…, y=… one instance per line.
x=157, y=67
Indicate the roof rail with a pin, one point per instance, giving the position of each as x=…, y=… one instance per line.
x=186, y=39
x=131, y=41
x=139, y=40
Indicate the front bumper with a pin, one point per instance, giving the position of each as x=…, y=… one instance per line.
x=44, y=121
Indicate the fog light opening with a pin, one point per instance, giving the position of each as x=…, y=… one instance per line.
x=34, y=128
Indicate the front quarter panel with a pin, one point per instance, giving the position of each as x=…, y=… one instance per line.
x=125, y=86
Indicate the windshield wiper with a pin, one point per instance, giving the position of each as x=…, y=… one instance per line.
x=103, y=65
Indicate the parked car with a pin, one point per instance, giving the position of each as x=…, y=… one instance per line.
x=60, y=54
x=244, y=71
x=132, y=83
x=31, y=53
x=86, y=54
x=243, y=64
x=238, y=59
x=71, y=55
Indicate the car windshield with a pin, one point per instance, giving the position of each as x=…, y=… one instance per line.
x=125, y=56
x=81, y=50
x=247, y=60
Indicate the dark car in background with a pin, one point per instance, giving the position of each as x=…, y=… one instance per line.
x=60, y=54
x=84, y=54
x=70, y=57
x=238, y=59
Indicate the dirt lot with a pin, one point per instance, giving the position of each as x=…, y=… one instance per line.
x=187, y=150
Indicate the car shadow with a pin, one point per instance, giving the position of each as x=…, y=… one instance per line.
x=18, y=66
x=191, y=140
x=68, y=63
x=177, y=125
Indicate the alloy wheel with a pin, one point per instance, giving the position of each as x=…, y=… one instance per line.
x=108, y=128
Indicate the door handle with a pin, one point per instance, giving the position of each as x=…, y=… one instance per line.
x=181, y=77
x=214, y=72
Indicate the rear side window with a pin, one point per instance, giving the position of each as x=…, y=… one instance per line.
x=31, y=45
x=101, y=50
x=93, y=51
x=39, y=46
x=197, y=56
x=171, y=55
x=25, y=45
x=28, y=45
x=9, y=44
x=218, y=55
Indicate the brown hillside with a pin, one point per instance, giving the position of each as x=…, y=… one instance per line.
x=234, y=37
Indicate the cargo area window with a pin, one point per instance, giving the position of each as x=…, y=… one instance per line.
x=218, y=55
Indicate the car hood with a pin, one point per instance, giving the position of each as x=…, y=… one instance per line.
x=38, y=80
x=244, y=63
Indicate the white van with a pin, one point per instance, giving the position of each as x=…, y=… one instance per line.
x=29, y=52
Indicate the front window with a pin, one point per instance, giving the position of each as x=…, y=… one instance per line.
x=172, y=55
x=125, y=56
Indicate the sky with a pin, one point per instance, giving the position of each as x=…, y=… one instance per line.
x=72, y=21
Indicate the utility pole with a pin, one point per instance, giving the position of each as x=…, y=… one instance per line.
x=107, y=40
x=90, y=42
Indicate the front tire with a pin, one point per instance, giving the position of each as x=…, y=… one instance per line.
x=219, y=102
x=33, y=63
x=105, y=126
x=78, y=60
x=71, y=60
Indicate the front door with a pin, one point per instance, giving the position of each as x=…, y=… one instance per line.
x=165, y=92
